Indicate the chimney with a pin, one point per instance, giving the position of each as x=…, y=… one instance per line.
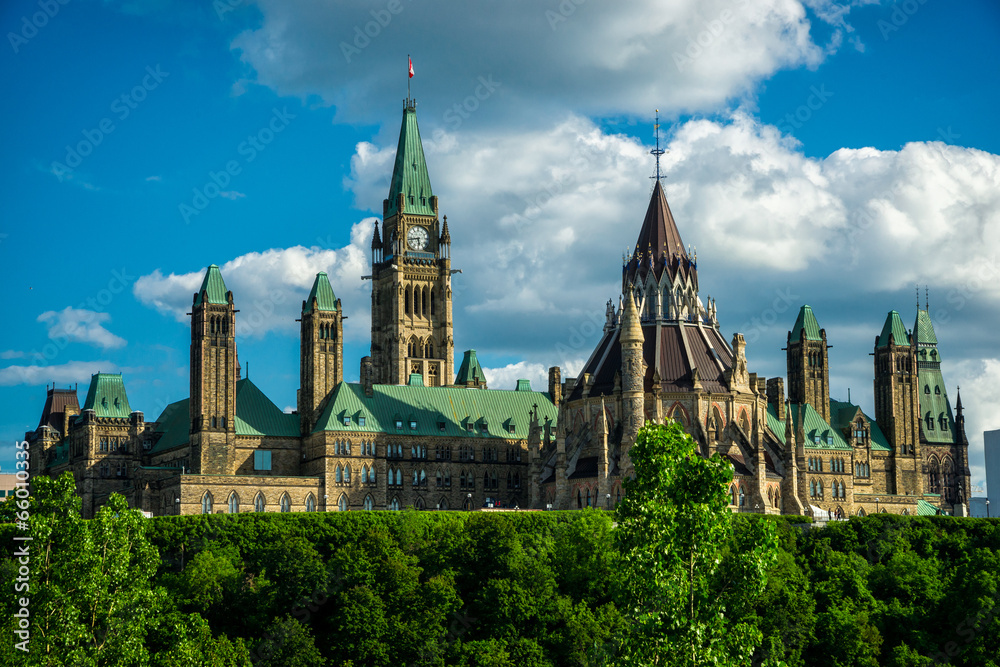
x=555, y=384
x=776, y=396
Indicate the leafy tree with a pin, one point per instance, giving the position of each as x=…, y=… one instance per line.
x=287, y=643
x=682, y=586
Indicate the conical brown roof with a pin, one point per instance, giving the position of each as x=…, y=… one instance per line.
x=659, y=245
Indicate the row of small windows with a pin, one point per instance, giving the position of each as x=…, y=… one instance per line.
x=104, y=402
x=738, y=496
x=862, y=470
x=815, y=359
x=217, y=325
x=327, y=330
x=121, y=470
x=937, y=389
x=259, y=503
x=942, y=421
x=420, y=349
x=114, y=443
x=419, y=301
x=589, y=500
x=816, y=464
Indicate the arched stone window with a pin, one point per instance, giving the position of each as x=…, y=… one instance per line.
x=407, y=299
x=394, y=505
x=342, y=503
x=369, y=503
x=948, y=476
x=579, y=499
x=347, y=474
x=206, y=503
x=418, y=504
x=234, y=503
x=338, y=474
x=743, y=497
x=286, y=503
x=934, y=476
x=310, y=503
x=258, y=502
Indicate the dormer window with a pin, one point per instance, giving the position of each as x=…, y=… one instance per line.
x=485, y=427
x=927, y=389
x=347, y=420
x=399, y=424
x=937, y=390
x=468, y=426
x=413, y=424
x=116, y=402
x=441, y=426
x=510, y=427
x=104, y=402
x=361, y=421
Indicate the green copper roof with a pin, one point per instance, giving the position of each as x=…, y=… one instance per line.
x=213, y=289
x=257, y=415
x=776, y=425
x=437, y=411
x=409, y=175
x=934, y=403
x=470, y=371
x=106, y=396
x=806, y=327
x=924, y=508
x=326, y=300
x=893, y=325
x=842, y=416
x=923, y=329
x=174, y=426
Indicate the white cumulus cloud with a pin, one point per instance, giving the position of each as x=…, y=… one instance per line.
x=268, y=287
x=80, y=325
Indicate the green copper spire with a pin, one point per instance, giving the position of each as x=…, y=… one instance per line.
x=894, y=326
x=470, y=372
x=806, y=327
x=322, y=292
x=409, y=175
x=213, y=289
x=107, y=397
x=923, y=329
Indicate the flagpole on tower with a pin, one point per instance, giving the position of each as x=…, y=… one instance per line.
x=409, y=75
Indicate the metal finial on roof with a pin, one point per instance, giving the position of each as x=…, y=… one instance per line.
x=657, y=151
x=918, y=297
x=927, y=299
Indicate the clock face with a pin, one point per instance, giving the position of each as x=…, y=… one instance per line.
x=416, y=238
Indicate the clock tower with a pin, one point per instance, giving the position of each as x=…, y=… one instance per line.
x=411, y=273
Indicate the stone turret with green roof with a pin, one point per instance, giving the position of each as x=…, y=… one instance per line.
x=808, y=367
x=213, y=375
x=470, y=373
x=321, y=351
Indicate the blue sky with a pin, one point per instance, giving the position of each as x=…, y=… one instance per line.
x=822, y=152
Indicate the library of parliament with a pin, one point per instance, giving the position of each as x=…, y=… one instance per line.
x=414, y=432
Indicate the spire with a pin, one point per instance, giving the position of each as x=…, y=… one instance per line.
x=806, y=327
x=631, y=325
x=321, y=294
x=958, y=401
x=445, y=234
x=893, y=325
x=213, y=289
x=659, y=242
x=923, y=329
x=657, y=152
x=409, y=175
x=376, y=239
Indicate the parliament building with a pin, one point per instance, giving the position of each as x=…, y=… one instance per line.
x=414, y=432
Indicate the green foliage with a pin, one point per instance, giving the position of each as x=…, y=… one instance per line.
x=687, y=582
x=538, y=589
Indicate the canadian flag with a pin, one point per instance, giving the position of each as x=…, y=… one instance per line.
x=411, y=65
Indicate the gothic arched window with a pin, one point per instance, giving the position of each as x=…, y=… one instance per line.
x=310, y=503
x=206, y=503
x=286, y=503
x=934, y=476
x=234, y=503
x=258, y=502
